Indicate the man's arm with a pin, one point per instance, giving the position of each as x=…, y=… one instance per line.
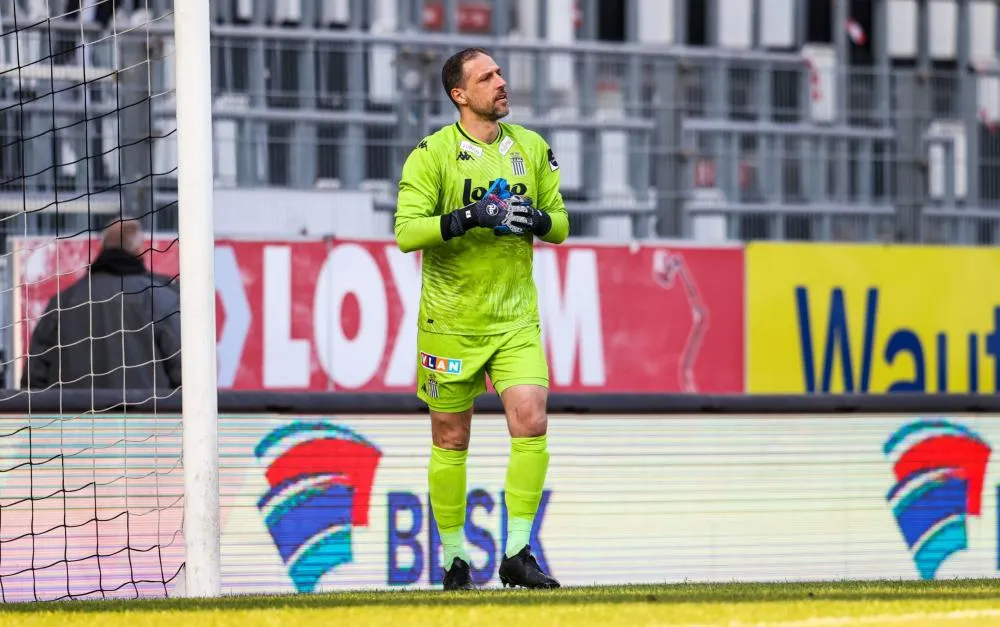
x=36, y=374
x=417, y=225
x=167, y=332
x=550, y=199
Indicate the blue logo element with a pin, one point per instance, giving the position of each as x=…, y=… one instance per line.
x=939, y=468
x=320, y=478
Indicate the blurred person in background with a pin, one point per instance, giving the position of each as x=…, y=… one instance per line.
x=473, y=196
x=118, y=327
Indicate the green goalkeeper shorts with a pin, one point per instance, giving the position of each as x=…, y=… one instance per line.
x=452, y=369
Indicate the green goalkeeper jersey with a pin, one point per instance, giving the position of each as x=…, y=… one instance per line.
x=478, y=283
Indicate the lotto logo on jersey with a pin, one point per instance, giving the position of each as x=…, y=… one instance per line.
x=440, y=364
x=472, y=194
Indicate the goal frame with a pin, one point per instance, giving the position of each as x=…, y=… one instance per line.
x=193, y=91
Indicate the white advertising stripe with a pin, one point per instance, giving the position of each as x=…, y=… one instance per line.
x=649, y=499
x=313, y=503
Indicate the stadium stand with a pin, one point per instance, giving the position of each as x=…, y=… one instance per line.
x=680, y=119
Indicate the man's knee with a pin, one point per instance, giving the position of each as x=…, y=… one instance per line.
x=530, y=426
x=451, y=430
x=525, y=406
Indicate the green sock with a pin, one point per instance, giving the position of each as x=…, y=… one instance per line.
x=452, y=545
x=518, y=534
x=446, y=484
x=529, y=461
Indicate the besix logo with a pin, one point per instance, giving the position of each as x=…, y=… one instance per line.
x=320, y=478
x=939, y=468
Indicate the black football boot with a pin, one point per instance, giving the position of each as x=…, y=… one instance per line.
x=522, y=570
x=458, y=577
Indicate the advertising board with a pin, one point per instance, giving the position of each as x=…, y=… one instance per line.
x=341, y=314
x=872, y=319
x=313, y=503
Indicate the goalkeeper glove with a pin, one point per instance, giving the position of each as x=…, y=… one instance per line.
x=526, y=218
x=493, y=211
x=520, y=217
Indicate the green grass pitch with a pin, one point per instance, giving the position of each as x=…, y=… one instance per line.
x=970, y=603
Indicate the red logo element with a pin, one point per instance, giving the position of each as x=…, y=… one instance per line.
x=668, y=269
x=968, y=456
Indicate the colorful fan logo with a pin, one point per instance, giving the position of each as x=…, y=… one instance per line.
x=939, y=468
x=320, y=478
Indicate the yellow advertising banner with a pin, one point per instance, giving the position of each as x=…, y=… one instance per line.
x=872, y=318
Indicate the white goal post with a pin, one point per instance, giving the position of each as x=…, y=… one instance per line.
x=192, y=23
x=109, y=446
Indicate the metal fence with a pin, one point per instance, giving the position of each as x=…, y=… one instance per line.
x=679, y=141
x=86, y=119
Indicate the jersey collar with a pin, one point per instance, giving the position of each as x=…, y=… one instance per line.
x=499, y=136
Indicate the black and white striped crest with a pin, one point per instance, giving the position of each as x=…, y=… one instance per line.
x=517, y=164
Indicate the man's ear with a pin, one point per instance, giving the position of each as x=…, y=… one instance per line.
x=459, y=96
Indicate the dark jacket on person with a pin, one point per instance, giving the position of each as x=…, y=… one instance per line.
x=118, y=328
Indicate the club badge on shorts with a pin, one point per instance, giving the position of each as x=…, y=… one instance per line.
x=432, y=387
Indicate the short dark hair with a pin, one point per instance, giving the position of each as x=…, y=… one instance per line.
x=453, y=70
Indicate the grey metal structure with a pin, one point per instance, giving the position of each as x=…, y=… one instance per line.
x=698, y=131
x=84, y=104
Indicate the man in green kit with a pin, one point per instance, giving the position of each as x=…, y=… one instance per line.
x=472, y=196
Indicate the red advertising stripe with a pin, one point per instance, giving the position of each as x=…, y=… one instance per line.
x=291, y=317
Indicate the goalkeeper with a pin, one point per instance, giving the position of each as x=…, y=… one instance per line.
x=472, y=197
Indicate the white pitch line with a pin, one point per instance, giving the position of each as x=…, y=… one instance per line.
x=834, y=621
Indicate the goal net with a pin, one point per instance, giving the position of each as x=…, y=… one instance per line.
x=92, y=474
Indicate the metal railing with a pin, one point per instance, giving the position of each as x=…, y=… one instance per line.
x=679, y=140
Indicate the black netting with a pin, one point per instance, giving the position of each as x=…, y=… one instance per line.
x=90, y=506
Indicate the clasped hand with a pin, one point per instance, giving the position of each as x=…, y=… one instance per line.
x=508, y=214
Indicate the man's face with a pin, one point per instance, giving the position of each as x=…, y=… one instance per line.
x=485, y=90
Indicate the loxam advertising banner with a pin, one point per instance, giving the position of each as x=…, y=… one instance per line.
x=341, y=314
x=318, y=503
x=872, y=319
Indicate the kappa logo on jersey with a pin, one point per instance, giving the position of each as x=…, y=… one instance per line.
x=440, y=364
x=472, y=194
x=463, y=156
x=422, y=145
x=517, y=164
